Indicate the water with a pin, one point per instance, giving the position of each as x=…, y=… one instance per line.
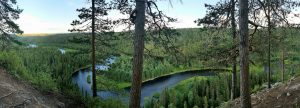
x=105, y=66
x=32, y=46
x=149, y=88
x=62, y=51
x=157, y=85
x=80, y=78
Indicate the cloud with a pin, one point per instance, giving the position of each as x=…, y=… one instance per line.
x=294, y=17
x=33, y=24
x=184, y=22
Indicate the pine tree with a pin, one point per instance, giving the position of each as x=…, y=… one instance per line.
x=138, y=54
x=99, y=27
x=185, y=104
x=205, y=102
x=244, y=54
x=234, y=55
x=275, y=14
x=215, y=18
x=93, y=51
x=9, y=11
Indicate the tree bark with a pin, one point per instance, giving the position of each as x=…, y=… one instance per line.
x=282, y=64
x=138, y=54
x=93, y=51
x=234, y=89
x=244, y=54
x=233, y=30
x=269, y=43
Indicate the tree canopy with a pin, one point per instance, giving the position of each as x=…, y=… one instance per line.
x=9, y=12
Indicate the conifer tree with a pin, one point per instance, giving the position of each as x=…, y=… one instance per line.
x=9, y=12
x=244, y=54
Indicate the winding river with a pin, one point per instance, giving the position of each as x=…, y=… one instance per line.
x=149, y=88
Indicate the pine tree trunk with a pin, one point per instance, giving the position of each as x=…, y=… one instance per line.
x=244, y=54
x=234, y=89
x=138, y=54
x=93, y=51
x=282, y=64
x=269, y=44
x=233, y=30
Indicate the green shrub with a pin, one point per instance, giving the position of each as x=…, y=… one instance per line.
x=13, y=63
x=88, y=79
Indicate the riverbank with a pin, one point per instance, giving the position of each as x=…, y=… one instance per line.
x=187, y=70
x=127, y=85
x=108, y=88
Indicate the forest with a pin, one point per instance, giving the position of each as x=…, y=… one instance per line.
x=238, y=49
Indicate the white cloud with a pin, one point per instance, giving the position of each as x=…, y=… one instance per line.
x=32, y=24
x=294, y=17
x=184, y=22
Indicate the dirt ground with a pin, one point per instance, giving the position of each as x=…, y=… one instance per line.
x=17, y=94
x=285, y=95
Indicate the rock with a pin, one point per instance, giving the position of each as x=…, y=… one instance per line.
x=60, y=104
x=288, y=94
x=264, y=86
x=295, y=87
x=278, y=96
x=292, y=79
x=278, y=106
x=276, y=84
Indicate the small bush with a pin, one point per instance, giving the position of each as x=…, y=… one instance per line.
x=13, y=63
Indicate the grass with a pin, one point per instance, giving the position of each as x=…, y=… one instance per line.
x=104, y=83
x=70, y=50
x=122, y=85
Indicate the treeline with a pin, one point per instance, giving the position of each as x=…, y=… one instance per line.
x=55, y=40
x=208, y=92
x=213, y=58
x=197, y=92
x=211, y=52
x=153, y=68
x=50, y=71
x=45, y=68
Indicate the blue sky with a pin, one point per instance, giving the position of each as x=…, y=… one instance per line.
x=55, y=16
x=48, y=16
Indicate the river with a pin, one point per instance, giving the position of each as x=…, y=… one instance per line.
x=149, y=88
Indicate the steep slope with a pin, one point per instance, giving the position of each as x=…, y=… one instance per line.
x=15, y=93
x=285, y=95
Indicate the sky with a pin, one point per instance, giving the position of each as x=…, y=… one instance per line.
x=55, y=16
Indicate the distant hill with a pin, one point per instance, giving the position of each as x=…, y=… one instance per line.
x=35, y=34
x=47, y=38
